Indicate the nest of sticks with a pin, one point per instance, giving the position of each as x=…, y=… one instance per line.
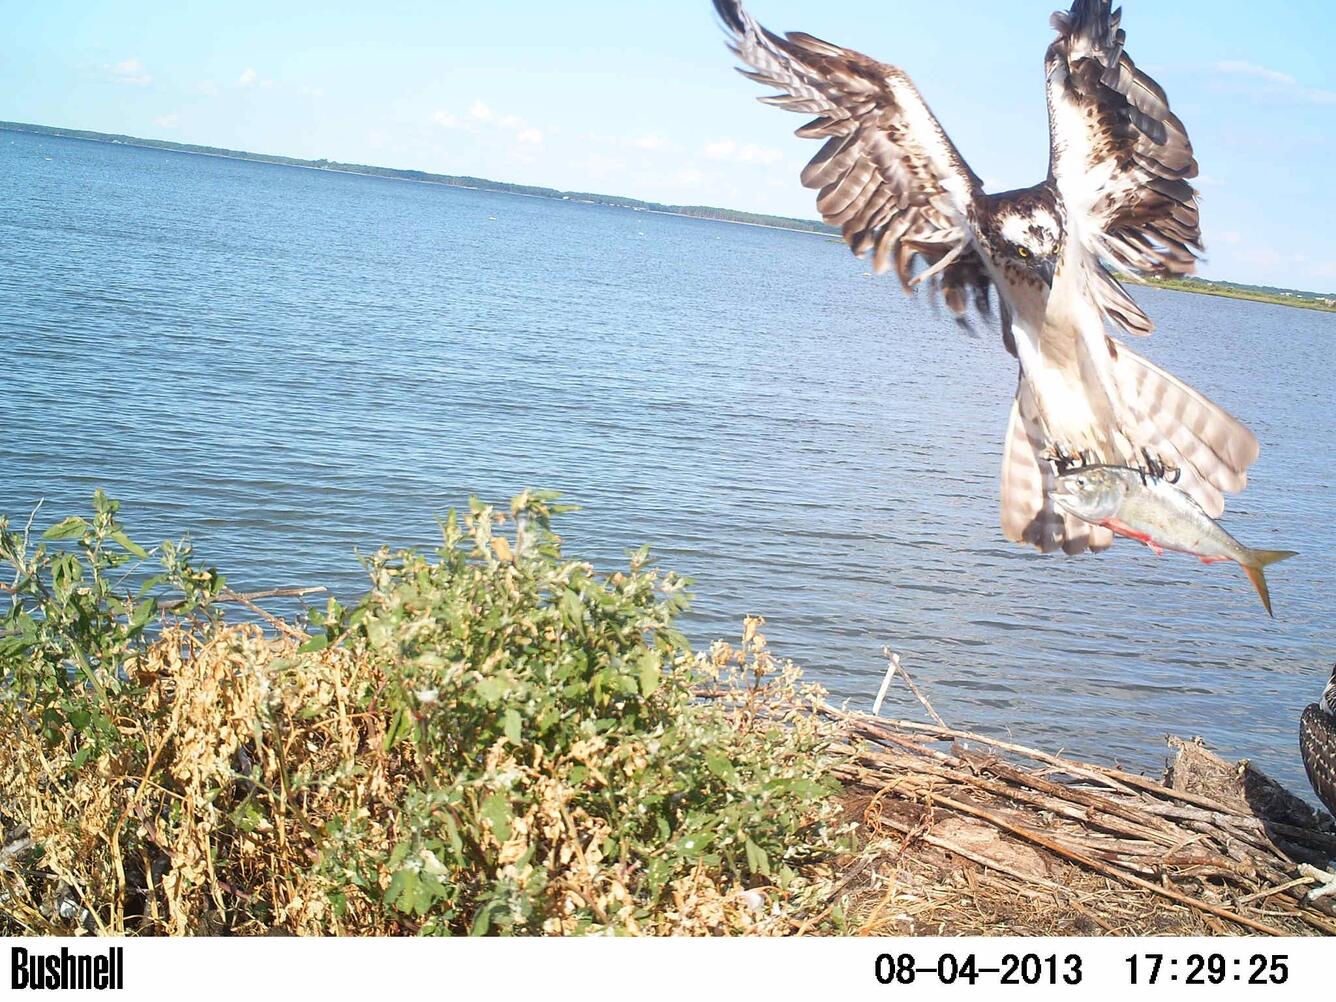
x=964, y=834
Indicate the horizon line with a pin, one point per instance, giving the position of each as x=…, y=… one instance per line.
x=695, y=211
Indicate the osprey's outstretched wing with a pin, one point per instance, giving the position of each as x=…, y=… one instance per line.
x=888, y=175
x=1119, y=157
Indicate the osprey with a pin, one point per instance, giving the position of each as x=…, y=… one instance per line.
x=1317, y=748
x=1117, y=195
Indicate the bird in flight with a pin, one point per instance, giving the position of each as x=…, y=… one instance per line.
x=1118, y=196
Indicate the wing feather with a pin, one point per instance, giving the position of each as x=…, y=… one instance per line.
x=888, y=175
x=1119, y=157
x=1317, y=747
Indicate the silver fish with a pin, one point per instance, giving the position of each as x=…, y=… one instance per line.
x=1152, y=510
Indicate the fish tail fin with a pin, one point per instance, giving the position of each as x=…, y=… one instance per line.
x=1257, y=559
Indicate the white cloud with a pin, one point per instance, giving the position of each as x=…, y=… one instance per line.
x=649, y=142
x=1242, y=68
x=251, y=78
x=311, y=91
x=132, y=72
x=167, y=121
x=689, y=176
x=1275, y=83
x=747, y=153
x=481, y=118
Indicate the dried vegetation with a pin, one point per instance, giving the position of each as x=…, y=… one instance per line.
x=498, y=739
x=495, y=739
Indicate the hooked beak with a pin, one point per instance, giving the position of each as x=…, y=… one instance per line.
x=1045, y=270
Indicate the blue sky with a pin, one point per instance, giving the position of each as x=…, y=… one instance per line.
x=640, y=98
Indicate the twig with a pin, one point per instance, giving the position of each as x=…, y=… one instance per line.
x=948, y=846
x=894, y=660
x=875, y=914
x=897, y=666
x=1072, y=768
x=247, y=597
x=270, y=618
x=1266, y=892
x=1104, y=868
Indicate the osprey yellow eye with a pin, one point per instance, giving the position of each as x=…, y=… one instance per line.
x=1023, y=251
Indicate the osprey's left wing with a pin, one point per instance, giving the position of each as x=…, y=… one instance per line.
x=1119, y=157
x=888, y=175
x=1317, y=747
x=1317, y=744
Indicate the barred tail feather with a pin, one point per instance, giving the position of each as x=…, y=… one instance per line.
x=1028, y=513
x=1175, y=420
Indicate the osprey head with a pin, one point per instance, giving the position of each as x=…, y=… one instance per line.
x=1022, y=233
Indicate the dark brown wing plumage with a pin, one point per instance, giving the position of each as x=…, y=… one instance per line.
x=1317, y=747
x=888, y=176
x=1317, y=744
x=1120, y=158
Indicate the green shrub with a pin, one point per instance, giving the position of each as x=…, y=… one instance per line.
x=73, y=620
x=495, y=739
x=569, y=777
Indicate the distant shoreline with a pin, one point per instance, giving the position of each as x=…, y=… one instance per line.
x=1229, y=290
x=1226, y=290
x=445, y=180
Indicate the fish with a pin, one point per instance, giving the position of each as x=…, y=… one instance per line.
x=1150, y=509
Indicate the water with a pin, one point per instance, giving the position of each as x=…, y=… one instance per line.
x=292, y=365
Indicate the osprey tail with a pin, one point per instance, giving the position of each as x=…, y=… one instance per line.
x=1171, y=420
x=1029, y=515
x=1155, y=412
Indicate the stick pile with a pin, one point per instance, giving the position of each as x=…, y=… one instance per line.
x=971, y=834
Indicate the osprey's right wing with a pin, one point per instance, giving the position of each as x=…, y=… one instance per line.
x=888, y=175
x=1120, y=159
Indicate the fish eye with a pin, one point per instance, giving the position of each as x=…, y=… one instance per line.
x=1023, y=251
x=1080, y=481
